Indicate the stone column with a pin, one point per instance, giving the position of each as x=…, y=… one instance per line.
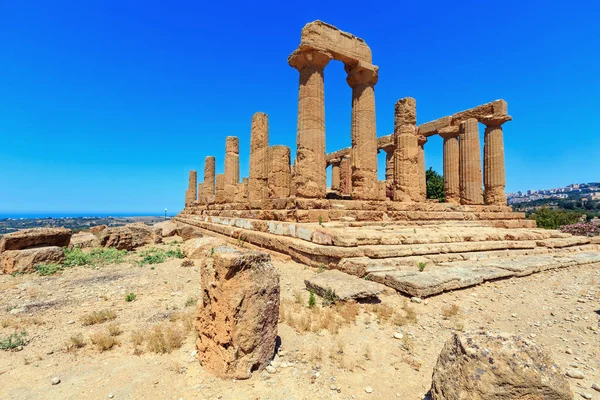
x=190, y=193
x=494, y=175
x=406, y=155
x=309, y=171
x=451, y=162
x=335, y=174
x=389, y=172
x=232, y=161
x=220, y=189
x=346, y=176
x=208, y=187
x=470, y=163
x=279, y=177
x=259, y=144
x=362, y=80
x=421, y=140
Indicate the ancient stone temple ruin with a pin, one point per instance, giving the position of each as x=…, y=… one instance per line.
x=364, y=226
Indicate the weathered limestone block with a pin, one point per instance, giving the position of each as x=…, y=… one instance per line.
x=362, y=80
x=190, y=194
x=494, y=175
x=471, y=182
x=259, y=144
x=309, y=170
x=35, y=237
x=232, y=161
x=496, y=366
x=344, y=286
x=166, y=228
x=279, y=178
x=200, y=248
x=237, y=318
x=25, y=261
x=451, y=166
x=406, y=157
x=83, y=240
x=142, y=234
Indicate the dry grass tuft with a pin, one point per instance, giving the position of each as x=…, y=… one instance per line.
x=450, y=311
x=103, y=341
x=317, y=318
x=382, y=311
x=98, y=317
x=75, y=342
x=114, y=329
x=164, y=339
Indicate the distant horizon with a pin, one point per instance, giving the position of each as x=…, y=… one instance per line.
x=67, y=214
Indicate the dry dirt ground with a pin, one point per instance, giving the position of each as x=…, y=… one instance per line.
x=326, y=352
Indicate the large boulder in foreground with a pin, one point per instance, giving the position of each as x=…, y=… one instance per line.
x=25, y=261
x=236, y=321
x=200, y=248
x=129, y=237
x=83, y=240
x=496, y=366
x=35, y=237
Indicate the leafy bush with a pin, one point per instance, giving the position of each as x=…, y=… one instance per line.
x=95, y=257
x=13, y=341
x=582, y=229
x=48, y=269
x=549, y=218
x=312, y=301
x=435, y=185
x=130, y=297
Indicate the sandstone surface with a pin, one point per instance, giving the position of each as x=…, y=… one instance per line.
x=35, y=237
x=25, y=261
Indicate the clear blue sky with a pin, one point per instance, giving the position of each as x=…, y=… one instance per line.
x=106, y=105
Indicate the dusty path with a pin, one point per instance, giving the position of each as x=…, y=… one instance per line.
x=325, y=353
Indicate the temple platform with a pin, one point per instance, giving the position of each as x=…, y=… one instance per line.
x=417, y=256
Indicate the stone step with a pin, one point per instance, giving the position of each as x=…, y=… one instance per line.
x=458, y=275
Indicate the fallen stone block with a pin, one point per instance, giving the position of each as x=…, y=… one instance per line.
x=496, y=366
x=187, y=232
x=35, y=237
x=236, y=321
x=84, y=240
x=344, y=286
x=24, y=261
x=200, y=248
x=167, y=228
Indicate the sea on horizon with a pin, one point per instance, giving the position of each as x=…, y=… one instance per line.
x=54, y=214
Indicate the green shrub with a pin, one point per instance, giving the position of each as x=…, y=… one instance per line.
x=312, y=301
x=177, y=253
x=130, y=297
x=421, y=266
x=330, y=298
x=435, y=185
x=13, y=341
x=157, y=256
x=48, y=269
x=549, y=218
x=95, y=257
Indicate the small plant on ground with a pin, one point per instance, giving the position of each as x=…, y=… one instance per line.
x=241, y=241
x=157, y=256
x=421, y=266
x=191, y=301
x=130, y=297
x=312, y=300
x=103, y=341
x=450, y=311
x=13, y=341
x=320, y=220
x=98, y=317
x=175, y=253
x=76, y=257
x=48, y=269
x=164, y=339
x=75, y=342
x=329, y=297
x=114, y=329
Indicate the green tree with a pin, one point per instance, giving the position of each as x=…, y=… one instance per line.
x=435, y=185
x=549, y=218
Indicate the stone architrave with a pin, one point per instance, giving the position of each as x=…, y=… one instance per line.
x=279, y=177
x=310, y=170
x=236, y=321
x=451, y=164
x=494, y=175
x=471, y=181
x=346, y=176
x=335, y=174
x=406, y=155
x=259, y=169
x=421, y=140
x=362, y=79
x=190, y=194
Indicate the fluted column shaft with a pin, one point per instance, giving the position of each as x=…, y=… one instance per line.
x=406, y=154
x=310, y=169
x=191, y=192
x=259, y=145
x=451, y=166
x=207, y=192
x=365, y=185
x=220, y=189
x=470, y=163
x=232, y=160
x=389, y=172
x=494, y=175
x=346, y=176
x=421, y=140
x=279, y=176
x=335, y=175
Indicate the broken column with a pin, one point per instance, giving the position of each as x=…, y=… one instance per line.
x=279, y=177
x=494, y=175
x=232, y=160
x=406, y=155
x=362, y=79
x=208, y=186
x=346, y=176
x=259, y=144
x=470, y=163
x=421, y=140
x=190, y=194
x=309, y=170
x=236, y=321
x=451, y=162
x=335, y=174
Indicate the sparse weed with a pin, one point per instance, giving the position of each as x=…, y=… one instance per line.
x=13, y=341
x=158, y=256
x=421, y=266
x=98, y=317
x=75, y=342
x=191, y=301
x=450, y=311
x=114, y=329
x=130, y=297
x=329, y=297
x=312, y=301
x=164, y=339
x=103, y=341
x=94, y=258
x=48, y=269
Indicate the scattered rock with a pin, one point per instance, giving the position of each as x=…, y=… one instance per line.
x=496, y=366
x=586, y=395
x=187, y=232
x=55, y=380
x=271, y=369
x=398, y=335
x=167, y=228
x=416, y=300
x=574, y=373
x=369, y=389
x=596, y=387
x=84, y=240
x=343, y=286
x=200, y=248
x=24, y=261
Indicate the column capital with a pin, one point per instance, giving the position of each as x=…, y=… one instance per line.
x=305, y=57
x=495, y=120
x=334, y=161
x=421, y=139
x=361, y=73
x=449, y=132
